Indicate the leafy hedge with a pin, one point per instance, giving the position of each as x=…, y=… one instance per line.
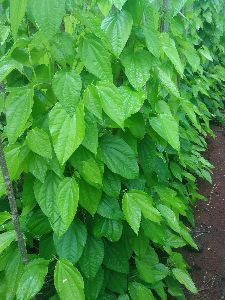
x=105, y=106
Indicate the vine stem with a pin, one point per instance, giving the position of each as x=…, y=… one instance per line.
x=13, y=205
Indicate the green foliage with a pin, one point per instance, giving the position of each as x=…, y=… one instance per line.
x=104, y=110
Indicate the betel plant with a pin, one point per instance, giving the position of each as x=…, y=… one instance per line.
x=105, y=106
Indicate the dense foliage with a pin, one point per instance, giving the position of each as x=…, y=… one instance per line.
x=105, y=106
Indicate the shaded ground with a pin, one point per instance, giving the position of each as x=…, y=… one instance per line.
x=208, y=266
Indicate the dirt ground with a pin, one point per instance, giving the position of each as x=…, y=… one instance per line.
x=208, y=265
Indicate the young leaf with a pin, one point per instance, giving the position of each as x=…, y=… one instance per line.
x=32, y=279
x=72, y=243
x=48, y=15
x=6, y=238
x=184, y=278
x=67, y=87
x=67, y=199
x=117, y=25
x=167, y=127
x=67, y=132
x=68, y=281
x=95, y=58
x=119, y=157
x=38, y=141
x=92, y=257
x=17, y=12
x=18, y=109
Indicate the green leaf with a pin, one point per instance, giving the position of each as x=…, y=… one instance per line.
x=67, y=87
x=119, y=3
x=67, y=200
x=68, y=281
x=93, y=286
x=184, y=278
x=17, y=12
x=168, y=128
x=67, y=132
x=168, y=83
x=45, y=194
x=4, y=216
x=117, y=26
x=6, y=238
x=136, y=203
x=91, y=171
x=38, y=141
x=119, y=157
x=71, y=245
x=111, y=183
x=112, y=102
x=152, y=37
x=18, y=109
x=137, y=66
x=109, y=208
x=111, y=229
x=95, y=58
x=37, y=166
x=169, y=48
x=48, y=15
x=89, y=197
x=92, y=257
x=92, y=101
x=91, y=133
x=139, y=292
x=170, y=217
x=32, y=279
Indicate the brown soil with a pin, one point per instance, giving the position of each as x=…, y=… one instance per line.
x=208, y=265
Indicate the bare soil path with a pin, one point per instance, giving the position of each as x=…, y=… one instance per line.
x=208, y=266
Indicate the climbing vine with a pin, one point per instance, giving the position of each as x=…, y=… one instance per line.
x=104, y=108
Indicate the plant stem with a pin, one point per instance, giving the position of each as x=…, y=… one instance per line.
x=13, y=206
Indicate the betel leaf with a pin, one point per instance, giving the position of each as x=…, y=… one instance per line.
x=17, y=12
x=67, y=131
x=168, y=128
x=72, y=243
x=92, y=257
x=112, y=102
x=48, y=15
x=67, y=87
x=140, y=292
x=95, y=57
x=136, y=203
x=32, y=279
x=184, y=278
x=117, y=25
x=67, y=199
x=6, y=238
x=169, y=48
x=137, y=66
x=18, y=109
x=68, y=281
x=39, y=142
x=119, y=157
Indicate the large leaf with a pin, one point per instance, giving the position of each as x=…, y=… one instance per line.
x=184, y=278
x=17, y=12
x=119, y=157
x=6, y=238
x=32, y=279
x=18, y=109
x=137, y=66
x=169, y=48
x=95, y=58
x=48, y=15
x=67, y=87
x=136, y=203
x=168, y=128
x=67, y=132
x=67, y=199
x=92, y=257
x=112, y=102
x=140, y=292
x=38, y=141
x=117, y=25
x=68, y=281
x=72, y=243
